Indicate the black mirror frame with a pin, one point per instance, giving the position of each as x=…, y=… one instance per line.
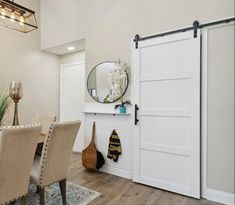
x=117, y=98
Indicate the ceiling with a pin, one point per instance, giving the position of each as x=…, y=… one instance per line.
x=74, y=46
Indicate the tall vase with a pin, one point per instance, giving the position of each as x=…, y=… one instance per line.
x=16, y=93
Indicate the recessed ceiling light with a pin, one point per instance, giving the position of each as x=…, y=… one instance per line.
x=70, y=48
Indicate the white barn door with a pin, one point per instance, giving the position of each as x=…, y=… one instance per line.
x=166, y=89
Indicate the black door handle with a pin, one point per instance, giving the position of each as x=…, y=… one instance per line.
x=136, y=112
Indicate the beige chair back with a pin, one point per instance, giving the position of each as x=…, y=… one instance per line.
x=46, y=122
x=57, y=152
x=17, y=149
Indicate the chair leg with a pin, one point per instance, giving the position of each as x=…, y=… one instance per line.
x=23, y=200
x=41, y=195
x=63, y=191
x=37, y=189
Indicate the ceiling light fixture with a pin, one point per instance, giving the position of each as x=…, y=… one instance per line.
x=17, y=17
x=70, y=48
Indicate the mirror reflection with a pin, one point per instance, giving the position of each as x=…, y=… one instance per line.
x=107, y=82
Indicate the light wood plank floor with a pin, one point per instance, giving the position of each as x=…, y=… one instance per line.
x=119, y=191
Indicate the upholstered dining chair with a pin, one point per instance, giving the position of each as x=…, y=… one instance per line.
x=17, y=149
x=53, y=164
x=46, y=122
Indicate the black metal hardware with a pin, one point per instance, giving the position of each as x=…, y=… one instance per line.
x=137, y=37
x=195, y=27
x=183, y=30
x=136, y=112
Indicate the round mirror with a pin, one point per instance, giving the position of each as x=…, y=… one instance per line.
x=107, y=82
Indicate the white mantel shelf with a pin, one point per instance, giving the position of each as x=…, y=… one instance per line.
x=104, y=109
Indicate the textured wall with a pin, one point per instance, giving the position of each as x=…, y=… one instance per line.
x=22, y=60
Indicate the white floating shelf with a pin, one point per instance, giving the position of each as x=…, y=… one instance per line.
x=105, y=109
x=106, y=113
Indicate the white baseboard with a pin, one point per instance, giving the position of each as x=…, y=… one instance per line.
x=220, y=196
x=112, y=170
x=116, y=171
x=77, y=151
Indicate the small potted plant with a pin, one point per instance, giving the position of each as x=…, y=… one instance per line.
x=4, y=104
x=122, y=106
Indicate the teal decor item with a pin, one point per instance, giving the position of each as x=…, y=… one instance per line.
x=122, y=106
x=76, y=195
x=122, y=109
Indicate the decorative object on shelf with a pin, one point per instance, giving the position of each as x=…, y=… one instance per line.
x=93, y=92
x=122, y=106
x=17, y=17
x=108, y=82
x=16, y=93
x=4, y=104
x=115, y=148
x=91, y=157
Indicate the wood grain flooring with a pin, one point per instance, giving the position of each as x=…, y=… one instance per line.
x=119, y=191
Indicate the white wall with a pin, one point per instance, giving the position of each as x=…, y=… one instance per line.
x=72, y=58
x=64, y=22
x=108, y=26
x=21, y=59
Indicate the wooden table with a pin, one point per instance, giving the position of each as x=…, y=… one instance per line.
x=41, y=138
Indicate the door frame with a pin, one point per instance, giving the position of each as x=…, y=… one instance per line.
x=204, y=111
x=62, y=66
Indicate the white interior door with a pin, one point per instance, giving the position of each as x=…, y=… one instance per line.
x=72, y=97
x=167, y=91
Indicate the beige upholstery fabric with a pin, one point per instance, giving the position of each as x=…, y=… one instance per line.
x=17, y=149
x=35, y=172
x=46, y=122
x=53, y=164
